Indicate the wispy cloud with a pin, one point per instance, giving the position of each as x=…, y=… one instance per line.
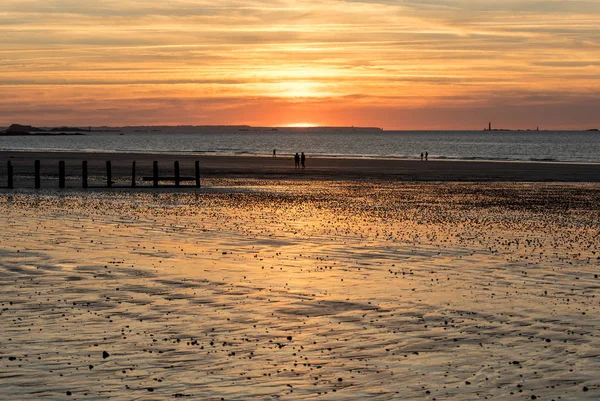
x=85, y=60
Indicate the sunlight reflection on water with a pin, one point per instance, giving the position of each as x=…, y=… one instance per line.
x=460, y=291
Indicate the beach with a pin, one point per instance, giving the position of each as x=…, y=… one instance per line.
x=261, y=288
x=300, y=200
x=325, y=168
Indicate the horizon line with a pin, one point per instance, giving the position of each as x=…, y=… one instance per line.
x=85, y=128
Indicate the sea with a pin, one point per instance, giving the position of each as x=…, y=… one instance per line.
x=530, y=146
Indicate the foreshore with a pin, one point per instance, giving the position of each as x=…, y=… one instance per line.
x=283, y=168
x=302, y=289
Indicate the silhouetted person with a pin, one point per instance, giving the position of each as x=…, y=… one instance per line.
x=426, y=155
x=421, y=156
x=274, y=153
x=297, y=160
x=302, y=159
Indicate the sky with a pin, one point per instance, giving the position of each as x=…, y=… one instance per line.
x=401, y=64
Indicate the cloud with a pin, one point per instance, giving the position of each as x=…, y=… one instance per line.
x=430, y=53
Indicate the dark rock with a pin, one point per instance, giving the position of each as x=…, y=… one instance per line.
x=18, y=128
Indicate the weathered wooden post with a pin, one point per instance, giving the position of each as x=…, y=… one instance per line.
x=176, y=168
x=61, y=174
x=9, y=169
x=37, y=174
x=84, y=174
x=155, y=174
x=133, y=174
x=108, y=174
x=197, y=174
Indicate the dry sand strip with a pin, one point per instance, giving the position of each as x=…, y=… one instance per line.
x=317, y=168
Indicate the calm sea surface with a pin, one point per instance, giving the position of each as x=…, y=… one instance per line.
x=571, y=146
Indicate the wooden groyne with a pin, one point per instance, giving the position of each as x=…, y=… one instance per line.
x=158, y=181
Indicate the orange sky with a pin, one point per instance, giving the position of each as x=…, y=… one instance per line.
x=430, y=64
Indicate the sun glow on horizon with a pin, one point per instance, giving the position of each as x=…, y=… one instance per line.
x=301, y=125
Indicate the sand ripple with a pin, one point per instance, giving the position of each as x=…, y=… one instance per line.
x=311, y=290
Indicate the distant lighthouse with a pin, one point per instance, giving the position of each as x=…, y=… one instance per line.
x=490, y=126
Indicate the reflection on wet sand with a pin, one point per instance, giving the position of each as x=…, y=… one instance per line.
x=346, y=290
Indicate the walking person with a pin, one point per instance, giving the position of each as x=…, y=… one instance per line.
x=302, y=160
x=297, y=160
x=274, y=153
x=421, y=156
x=426, y=155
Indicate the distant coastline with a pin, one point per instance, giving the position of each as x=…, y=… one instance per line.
x=18, y=129
x=26, y=130
x=241, y=128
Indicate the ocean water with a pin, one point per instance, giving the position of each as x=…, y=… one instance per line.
x=564, y=146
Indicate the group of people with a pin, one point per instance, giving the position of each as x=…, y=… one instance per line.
x=426, y=156
x=299, y=160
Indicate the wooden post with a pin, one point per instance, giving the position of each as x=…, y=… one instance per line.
x=9, y=169
x=61, y=174
x=108, y=174
x=133, y=174
x=155, y=174
x=197, y=174
x=84, y=174
x=176, y=168
x=37, y=174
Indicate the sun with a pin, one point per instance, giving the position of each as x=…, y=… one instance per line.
x=300, y=89
x=300, y=125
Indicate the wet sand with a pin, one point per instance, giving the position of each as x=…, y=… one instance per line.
x=283, y=168
x=333, y=290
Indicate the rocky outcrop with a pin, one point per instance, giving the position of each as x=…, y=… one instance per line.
x=22, y=129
